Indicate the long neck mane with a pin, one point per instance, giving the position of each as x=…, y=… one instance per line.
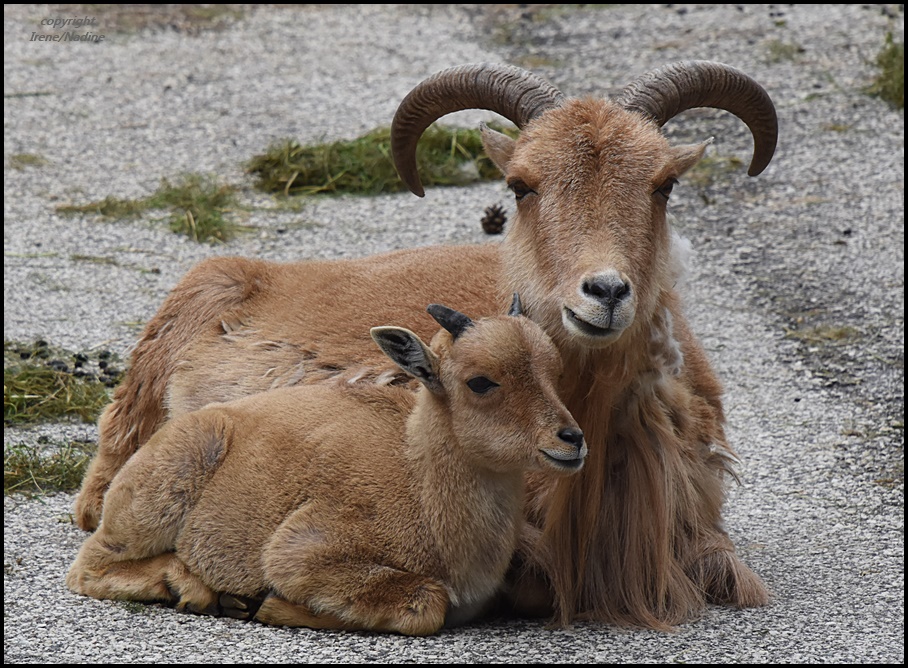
x=612, y=534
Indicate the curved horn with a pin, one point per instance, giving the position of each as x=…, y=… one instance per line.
x=453, y=321
x=516, y=306
x=664, y=93
x=516, y=94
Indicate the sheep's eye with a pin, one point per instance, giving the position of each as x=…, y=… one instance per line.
x=666, y=188
x=481, y=384
x=520, y=189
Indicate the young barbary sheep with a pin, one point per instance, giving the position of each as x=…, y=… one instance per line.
x=637, y=538
x=347, y=507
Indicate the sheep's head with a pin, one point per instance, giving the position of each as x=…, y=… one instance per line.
x=589, y=246
x=496, y=379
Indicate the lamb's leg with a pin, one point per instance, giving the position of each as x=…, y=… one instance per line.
x=527, y=591
x=317, y=582
x=106, y=571
x=337, y=594
x=279, y=611
x=132, y=556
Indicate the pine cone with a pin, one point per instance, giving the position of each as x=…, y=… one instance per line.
x=494, y=219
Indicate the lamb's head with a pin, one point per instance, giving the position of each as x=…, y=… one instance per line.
x=493, y=385
x=589, y=247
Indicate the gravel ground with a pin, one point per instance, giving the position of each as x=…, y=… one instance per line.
x=797, y=286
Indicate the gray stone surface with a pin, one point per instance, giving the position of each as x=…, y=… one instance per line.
x=813, y=246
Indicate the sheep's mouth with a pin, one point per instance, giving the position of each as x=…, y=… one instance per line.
x=586, y=327
x=564, y=463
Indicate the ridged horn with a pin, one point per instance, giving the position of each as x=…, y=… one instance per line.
x=518, y=95
x=664, y=93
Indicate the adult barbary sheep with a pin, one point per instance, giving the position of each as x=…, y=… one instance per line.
x=354, y=507
x=637, y=537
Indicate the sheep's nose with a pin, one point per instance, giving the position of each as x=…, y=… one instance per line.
x=572, y=435
x=607, y=289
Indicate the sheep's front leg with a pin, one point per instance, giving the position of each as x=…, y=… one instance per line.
x=108, y=571
x=724, y=578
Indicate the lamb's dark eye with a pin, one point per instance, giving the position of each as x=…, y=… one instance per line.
x=520, y=189
x=666, y=188
x=481, y=384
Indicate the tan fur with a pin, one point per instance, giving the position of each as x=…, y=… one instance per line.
x=356, y=507
x=637, y=537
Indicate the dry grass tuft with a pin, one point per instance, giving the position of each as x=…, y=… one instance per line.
x=445, y=156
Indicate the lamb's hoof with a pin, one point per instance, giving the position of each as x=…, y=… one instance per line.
x=211, y=610
x=239, y=607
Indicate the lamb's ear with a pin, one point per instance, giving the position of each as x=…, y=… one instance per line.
x=408, y=352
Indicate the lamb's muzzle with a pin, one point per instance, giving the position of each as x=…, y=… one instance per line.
x=571, y=459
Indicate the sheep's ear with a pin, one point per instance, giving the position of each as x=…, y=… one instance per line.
x=408, y=352
x=688, y=155
x=499, y=147
x=682, y=159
